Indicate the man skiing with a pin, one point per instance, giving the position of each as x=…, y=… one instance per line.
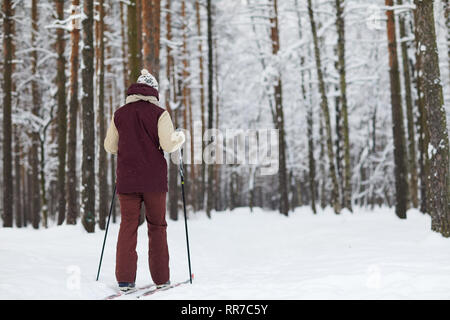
x=138, y=133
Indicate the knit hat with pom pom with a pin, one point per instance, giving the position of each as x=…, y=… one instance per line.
x=148, y=79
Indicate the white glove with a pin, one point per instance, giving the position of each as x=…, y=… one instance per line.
x=178, y=137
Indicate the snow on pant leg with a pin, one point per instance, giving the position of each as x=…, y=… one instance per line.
x=126, y=256
x=158, y=252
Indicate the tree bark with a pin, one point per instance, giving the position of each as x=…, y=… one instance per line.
x=102, y=159
x=111, y=91
x=311, y=160
x=202, y=98
x=151, y=15
x=323, y=182
x=340, y=25
x=412, y=163
x=187, y=108
x=156, y=36
x=147, y=34
x=88, y=167
x=217, y=166
x=210, y=191
x=309, y=122
x=424, y=136
x=124, y=44
x=401, y=172
x=61, y=114
x=339, y=141
x=325, y=112
x=133, y=45
x=35, y=96
x=43, y=181
x=438, y=148
x=17, y=179
x=72, y=193
x=139, y=13
x=8, y=52
x=279, y=117
x=447, y=24
x=29, y=181
x=170, y=95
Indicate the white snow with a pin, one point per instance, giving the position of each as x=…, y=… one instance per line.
x=431, y=151
x=243, y=255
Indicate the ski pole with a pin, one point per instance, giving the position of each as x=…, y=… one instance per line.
x=185, y=217
x=106, y=231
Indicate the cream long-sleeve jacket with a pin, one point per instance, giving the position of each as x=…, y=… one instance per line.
x=169, y=139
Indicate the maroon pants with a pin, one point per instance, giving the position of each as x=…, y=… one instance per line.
x=158, y=253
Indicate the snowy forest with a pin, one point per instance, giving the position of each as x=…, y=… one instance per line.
x=355, y=88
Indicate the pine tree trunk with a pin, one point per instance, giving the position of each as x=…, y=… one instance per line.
x=339, y=145
x=43, y=183
x=325, y=112
x=173, y=191
x=170, y=95
x=309, y=122
x=151, y=35
x=140, y=29
x=111, y=91
x=72, y=193
x=431, y=88
x=279, y=117
x=147, y=33
x=202, y=99
x=217, y=166
x=35, y=96
x=156, y=36
x=102, y=159
x=26, y=203
x=192, y=185
x=133, y=42
x=412, y=165
x=400, y=161
x=124, y=44
x=311, y=160
x=88, y=164
x=424, y=136
x=187, y=111
x=17, y=177
x=151, y=32
x=447, y=24
x=61, y=114
x=210, y=191
x=323, y=183
x=173, y=179
x=113, y=178
x=29, y=182
x=8, y=52
x=373, y=148
x=340, y=25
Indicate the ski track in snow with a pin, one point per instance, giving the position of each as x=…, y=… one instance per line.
x=243, y=255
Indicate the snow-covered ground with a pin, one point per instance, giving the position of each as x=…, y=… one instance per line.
x=243, y=255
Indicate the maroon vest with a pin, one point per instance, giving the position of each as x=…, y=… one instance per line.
x=141, y=166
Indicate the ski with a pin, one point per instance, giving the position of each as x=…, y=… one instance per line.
x=120, y=293
x=170, y=286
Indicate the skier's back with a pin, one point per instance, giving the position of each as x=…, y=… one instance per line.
x=139, y=132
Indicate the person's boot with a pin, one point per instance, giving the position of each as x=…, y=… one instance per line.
x=161, y=286
x=126, y=286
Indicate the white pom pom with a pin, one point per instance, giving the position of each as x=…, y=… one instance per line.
x=144, y=72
